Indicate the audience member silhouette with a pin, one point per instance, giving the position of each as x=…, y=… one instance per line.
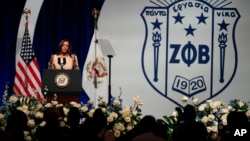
x=180, y=115
x=95, y=128
x=237, y=122
x=16, y=125
x=146, y=129
x=152, y=131
x=88, y=129
x=74, y=117
x=143, y=126
x=190, y=129
x=161, y=129
x=223, y=132
x=52, y=130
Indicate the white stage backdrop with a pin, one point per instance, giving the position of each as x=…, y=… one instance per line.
x=166, y=50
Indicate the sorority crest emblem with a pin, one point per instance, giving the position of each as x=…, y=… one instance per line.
x=187, y=48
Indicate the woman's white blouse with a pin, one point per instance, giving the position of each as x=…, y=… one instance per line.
x=63, y=62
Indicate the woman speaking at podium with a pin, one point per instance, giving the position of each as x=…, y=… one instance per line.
x=64, y=58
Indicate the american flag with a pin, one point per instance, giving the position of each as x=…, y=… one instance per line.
x=27, y=77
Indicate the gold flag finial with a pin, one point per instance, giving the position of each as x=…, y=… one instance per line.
x=95, y=13
x=26, y=13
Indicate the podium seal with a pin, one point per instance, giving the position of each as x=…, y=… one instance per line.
x=62, y=80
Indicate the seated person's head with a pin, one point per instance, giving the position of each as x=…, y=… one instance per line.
x=148, y=122
x=189, y=112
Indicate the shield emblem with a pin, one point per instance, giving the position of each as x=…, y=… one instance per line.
x=189, y=49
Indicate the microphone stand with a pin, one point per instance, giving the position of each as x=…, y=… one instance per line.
x=109, y=85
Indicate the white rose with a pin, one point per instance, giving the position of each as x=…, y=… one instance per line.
x=26, y=111
x=73, y=103
x=117, y=133
x=201, y=108
x=214, y=136
x=224, y=117
x=78, y=105
x=39, y=106
x=224, y=122
x=65, y=119
x=204, y=119
x=42, y=124
x=135, y=123
x=129, y=127
x=26, y=133
x=195, y=101
x=25, y=107
x=13, y=99
x=110, y=119
x=213, y=105
x=184, y=99
x=127, y=119
x=104, y=110
x=31, y=123
x=114, y=115
x=65, y=111
x=19, y=108
x=241, y=103
x=218, y=103
x=90, y=102
x=102, y=101
x=137, y=100
x=214, y=110
x=91, y=112
x=59, y=105
x=116, y=102
x=134, y=113
x=209, y=101
x=28, y=138
x=120, y=126
x=248, y=113
x=54, y=102
x=62, y=123
x=1, y=116
x=2, y=128
x=48, y=105
x=175, y=114
x=214, y=128
x=84, y=108
x=209, y=129
x=229, y=108
x=224, y=111
x=39, y=115
x=211, y=117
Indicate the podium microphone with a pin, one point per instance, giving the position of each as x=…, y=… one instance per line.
x=61, y=64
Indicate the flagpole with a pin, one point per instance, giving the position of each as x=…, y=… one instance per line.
x=95, y=13
x=26, y=12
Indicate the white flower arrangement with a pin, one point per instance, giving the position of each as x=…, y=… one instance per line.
x=120, y=119
x=212, y=113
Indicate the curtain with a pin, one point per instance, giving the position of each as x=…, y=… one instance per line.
x=58, y=19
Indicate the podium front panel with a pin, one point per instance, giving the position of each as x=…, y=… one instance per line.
x=62, y=82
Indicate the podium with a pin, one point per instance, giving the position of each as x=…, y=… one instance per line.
x=65, y=84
